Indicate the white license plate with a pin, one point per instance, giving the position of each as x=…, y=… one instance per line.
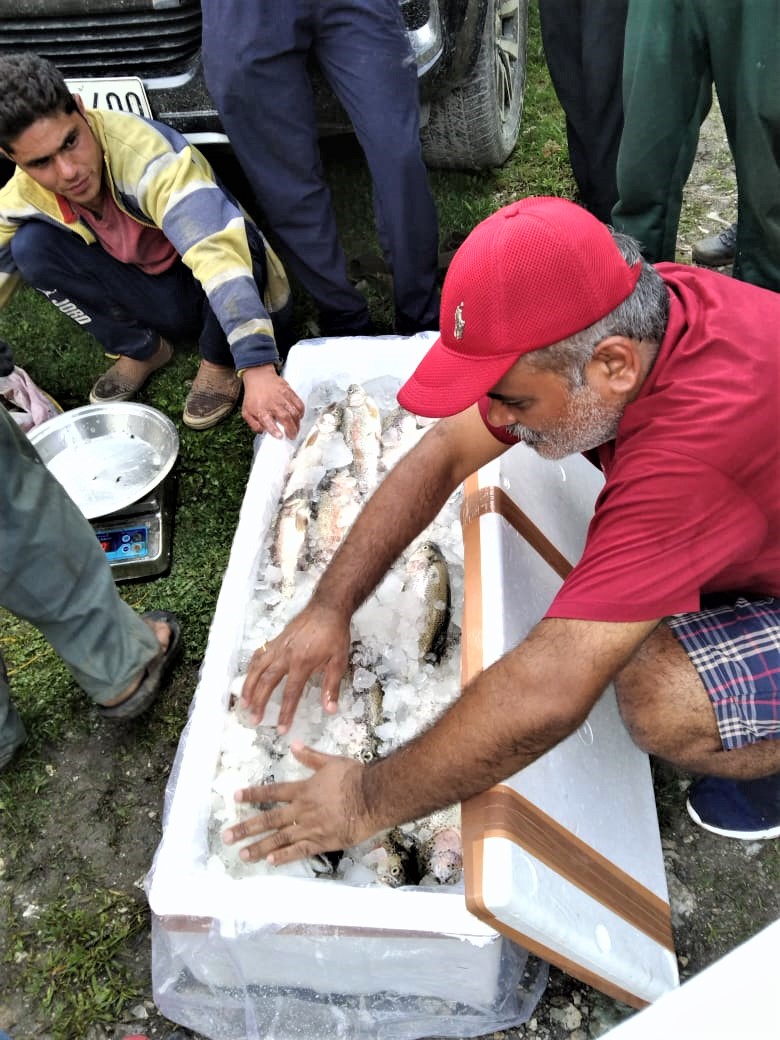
x=121, y=94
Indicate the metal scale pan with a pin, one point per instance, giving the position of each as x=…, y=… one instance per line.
x=115, y=461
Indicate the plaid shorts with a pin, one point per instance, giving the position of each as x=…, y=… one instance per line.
x=736, y=651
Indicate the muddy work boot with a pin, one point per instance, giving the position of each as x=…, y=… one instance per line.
x=127, y=375
x=717, y=250
x=214, y=394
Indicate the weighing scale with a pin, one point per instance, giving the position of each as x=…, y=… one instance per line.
x=137, y=540
x=116, y=463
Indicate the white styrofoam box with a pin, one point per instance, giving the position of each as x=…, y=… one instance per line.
x=272, y=934
x=592, y=794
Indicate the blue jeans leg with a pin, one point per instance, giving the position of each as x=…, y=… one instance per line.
x=366, y=56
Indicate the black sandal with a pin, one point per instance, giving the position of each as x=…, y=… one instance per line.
x=155, y=676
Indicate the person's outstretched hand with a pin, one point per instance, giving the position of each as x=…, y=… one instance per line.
x=324, y=813
x=270, y=403
x=316, y=641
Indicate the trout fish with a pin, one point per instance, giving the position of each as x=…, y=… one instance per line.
x=362, y=429
x=289, y=542
x=392, y=860
x=428, y=576
x=305, y=465
x=441, y=857
x=337, y=507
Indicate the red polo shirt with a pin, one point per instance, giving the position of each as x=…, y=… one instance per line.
x=691, y=502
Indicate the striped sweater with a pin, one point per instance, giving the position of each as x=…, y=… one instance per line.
x=159, y=179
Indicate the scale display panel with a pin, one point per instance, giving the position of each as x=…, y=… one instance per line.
x=137, y=540
x=125, y=544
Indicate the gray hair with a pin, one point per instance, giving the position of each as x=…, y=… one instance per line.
x=643, y=315
x=31, y=88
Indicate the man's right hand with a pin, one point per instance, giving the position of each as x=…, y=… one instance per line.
x=270, y=403
x=316, y=641
x=407, y=500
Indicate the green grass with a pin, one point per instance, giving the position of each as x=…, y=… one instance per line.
x=72, y=954
x=72, y=963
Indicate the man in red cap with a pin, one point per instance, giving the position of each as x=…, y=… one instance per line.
x=556, y=333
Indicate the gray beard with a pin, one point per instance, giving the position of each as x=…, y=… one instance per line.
x=587, y=425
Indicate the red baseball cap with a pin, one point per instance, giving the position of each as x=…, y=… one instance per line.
x=528, y=276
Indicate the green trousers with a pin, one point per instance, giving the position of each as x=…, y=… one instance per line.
x=54, y=574
x=675, y=51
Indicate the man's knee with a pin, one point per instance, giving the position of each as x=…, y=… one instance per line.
x=662, y=700
x=637, y=686
x=32, y=248
x=637, y=711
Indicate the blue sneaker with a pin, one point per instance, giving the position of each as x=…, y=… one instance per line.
x=746, y=809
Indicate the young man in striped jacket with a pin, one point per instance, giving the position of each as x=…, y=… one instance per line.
x=124, y=227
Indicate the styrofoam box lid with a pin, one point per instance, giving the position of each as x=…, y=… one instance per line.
x=565, y=857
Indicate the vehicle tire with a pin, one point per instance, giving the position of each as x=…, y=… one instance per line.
x=6, y=171
x=477, y=124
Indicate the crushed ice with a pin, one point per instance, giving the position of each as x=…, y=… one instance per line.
x=394, y=689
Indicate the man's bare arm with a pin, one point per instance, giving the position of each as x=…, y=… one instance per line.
x=507, y=717
x=409, y=498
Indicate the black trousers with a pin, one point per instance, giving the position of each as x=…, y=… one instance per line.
x=583, y=45
x=123, y=307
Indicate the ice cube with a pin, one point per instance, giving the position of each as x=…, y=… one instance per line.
x=362, y=679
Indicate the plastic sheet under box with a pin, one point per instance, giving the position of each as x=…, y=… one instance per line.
x=290, y=957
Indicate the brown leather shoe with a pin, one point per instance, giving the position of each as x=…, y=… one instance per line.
x=214, y=394
x=127, y=375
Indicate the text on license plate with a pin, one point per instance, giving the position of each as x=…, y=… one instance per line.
x=121, y=94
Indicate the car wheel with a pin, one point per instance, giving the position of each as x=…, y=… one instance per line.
x=6, y=171
x=477, y=124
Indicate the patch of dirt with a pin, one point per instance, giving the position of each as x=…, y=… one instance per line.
x=99, y=826
x=104, y=800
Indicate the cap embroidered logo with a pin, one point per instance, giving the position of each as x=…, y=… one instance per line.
x=460, y=323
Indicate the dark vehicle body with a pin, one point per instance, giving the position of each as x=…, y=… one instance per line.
x=470, y=58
